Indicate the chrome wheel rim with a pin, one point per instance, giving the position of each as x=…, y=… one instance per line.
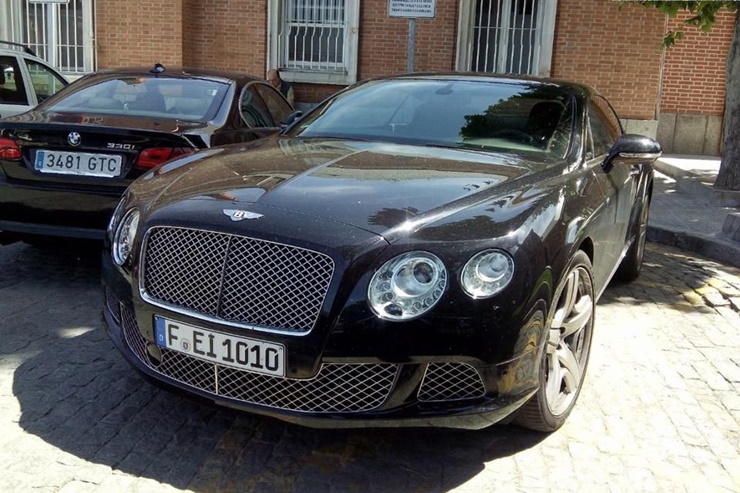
x=569, y=341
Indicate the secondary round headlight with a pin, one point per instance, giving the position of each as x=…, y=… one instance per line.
x=113, y=222
x=487, y=273
x=407, y=286
x=123, y=241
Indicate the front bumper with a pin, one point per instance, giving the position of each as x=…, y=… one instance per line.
x=346, y=392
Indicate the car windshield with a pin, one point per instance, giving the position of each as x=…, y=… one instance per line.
x=511, y=116
x=179, y=98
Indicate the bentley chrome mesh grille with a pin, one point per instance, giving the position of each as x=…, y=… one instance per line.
x=450, y=382
x=236, y=278
x=337, y=388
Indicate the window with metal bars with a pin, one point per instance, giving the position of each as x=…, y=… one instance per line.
x=60, y=32
x=507, y=36
x=315, y=40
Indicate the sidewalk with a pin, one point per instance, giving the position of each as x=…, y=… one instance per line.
x=689, y=213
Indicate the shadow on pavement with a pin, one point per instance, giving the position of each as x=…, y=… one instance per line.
x=670, y=277
x=77, y=394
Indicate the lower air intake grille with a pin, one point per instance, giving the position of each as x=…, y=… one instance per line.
x=450, y=382
x=337, y=388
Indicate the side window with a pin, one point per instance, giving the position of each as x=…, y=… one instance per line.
x=253, y=109
x=612, y=120
x=603, y=132
x=11, y=82
x=44, y=81
x=278, y=107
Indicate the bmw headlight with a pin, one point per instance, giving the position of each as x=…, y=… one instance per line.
x=407, y=286
x=123, y=240
x=487, y=273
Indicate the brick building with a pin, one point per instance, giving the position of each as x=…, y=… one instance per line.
x=323, y=45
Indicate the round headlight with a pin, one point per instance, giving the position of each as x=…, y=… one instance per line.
x=123, y=241
x=487, y=273
x=407, y=286
x=116, y=216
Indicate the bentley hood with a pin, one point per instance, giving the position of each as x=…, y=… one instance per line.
x=376, y=187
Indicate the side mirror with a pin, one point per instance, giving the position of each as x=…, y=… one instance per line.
x=289, y=120
x=632, y=149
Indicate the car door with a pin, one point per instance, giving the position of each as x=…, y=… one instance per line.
x=260, y=110
x=14, y=96
x=26, y=81
x=41, y=80
x=617, y=185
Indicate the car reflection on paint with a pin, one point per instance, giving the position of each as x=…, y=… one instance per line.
x=417, y=250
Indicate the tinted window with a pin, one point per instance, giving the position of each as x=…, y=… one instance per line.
x=44, y=81
x=254, y=110
x=181, y=98
x=603, y=133
x=276, y=104
x=11, y=82
x=526, y=117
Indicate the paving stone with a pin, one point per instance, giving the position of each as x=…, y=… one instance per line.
x=659, y=410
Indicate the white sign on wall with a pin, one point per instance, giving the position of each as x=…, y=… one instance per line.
x=412, y=8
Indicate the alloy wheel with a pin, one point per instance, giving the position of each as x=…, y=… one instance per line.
x=569, y=341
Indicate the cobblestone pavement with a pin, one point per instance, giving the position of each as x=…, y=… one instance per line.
x=660, y=410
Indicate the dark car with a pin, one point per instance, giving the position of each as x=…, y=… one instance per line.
x=424, y=249
x=65, y=164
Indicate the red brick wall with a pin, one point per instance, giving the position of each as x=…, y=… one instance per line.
x=694, y=72
x=384, y=40
x=383, y=45
x=138, y=32
x=616, y=52
x=227, y=34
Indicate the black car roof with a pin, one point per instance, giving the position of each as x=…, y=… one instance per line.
x=577, y=87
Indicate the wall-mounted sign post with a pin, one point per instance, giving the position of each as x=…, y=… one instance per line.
x=412, y=9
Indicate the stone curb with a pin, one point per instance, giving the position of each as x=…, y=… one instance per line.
x=691, y=183
x=715, y=248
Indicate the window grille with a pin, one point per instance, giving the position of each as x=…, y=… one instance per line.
x=506, y=36
x=312, y=34
x=61, y=33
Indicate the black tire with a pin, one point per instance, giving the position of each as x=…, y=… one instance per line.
x=631, y=265
x=569, y=329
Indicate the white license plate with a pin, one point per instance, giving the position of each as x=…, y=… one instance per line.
x=78, y=163
x=224, y=349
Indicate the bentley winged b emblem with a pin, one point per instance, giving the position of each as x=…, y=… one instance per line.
x=238, y=215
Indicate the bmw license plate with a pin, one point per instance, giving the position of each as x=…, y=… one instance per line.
x=78, y=163
x=217, y=347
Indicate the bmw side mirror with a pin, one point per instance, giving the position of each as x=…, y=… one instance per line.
x=632, y=149
x=289, y=120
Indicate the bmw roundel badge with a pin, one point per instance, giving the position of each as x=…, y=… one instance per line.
x=74, y=139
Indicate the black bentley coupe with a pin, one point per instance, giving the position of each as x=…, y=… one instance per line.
x=418, y=250
x=65, y=164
